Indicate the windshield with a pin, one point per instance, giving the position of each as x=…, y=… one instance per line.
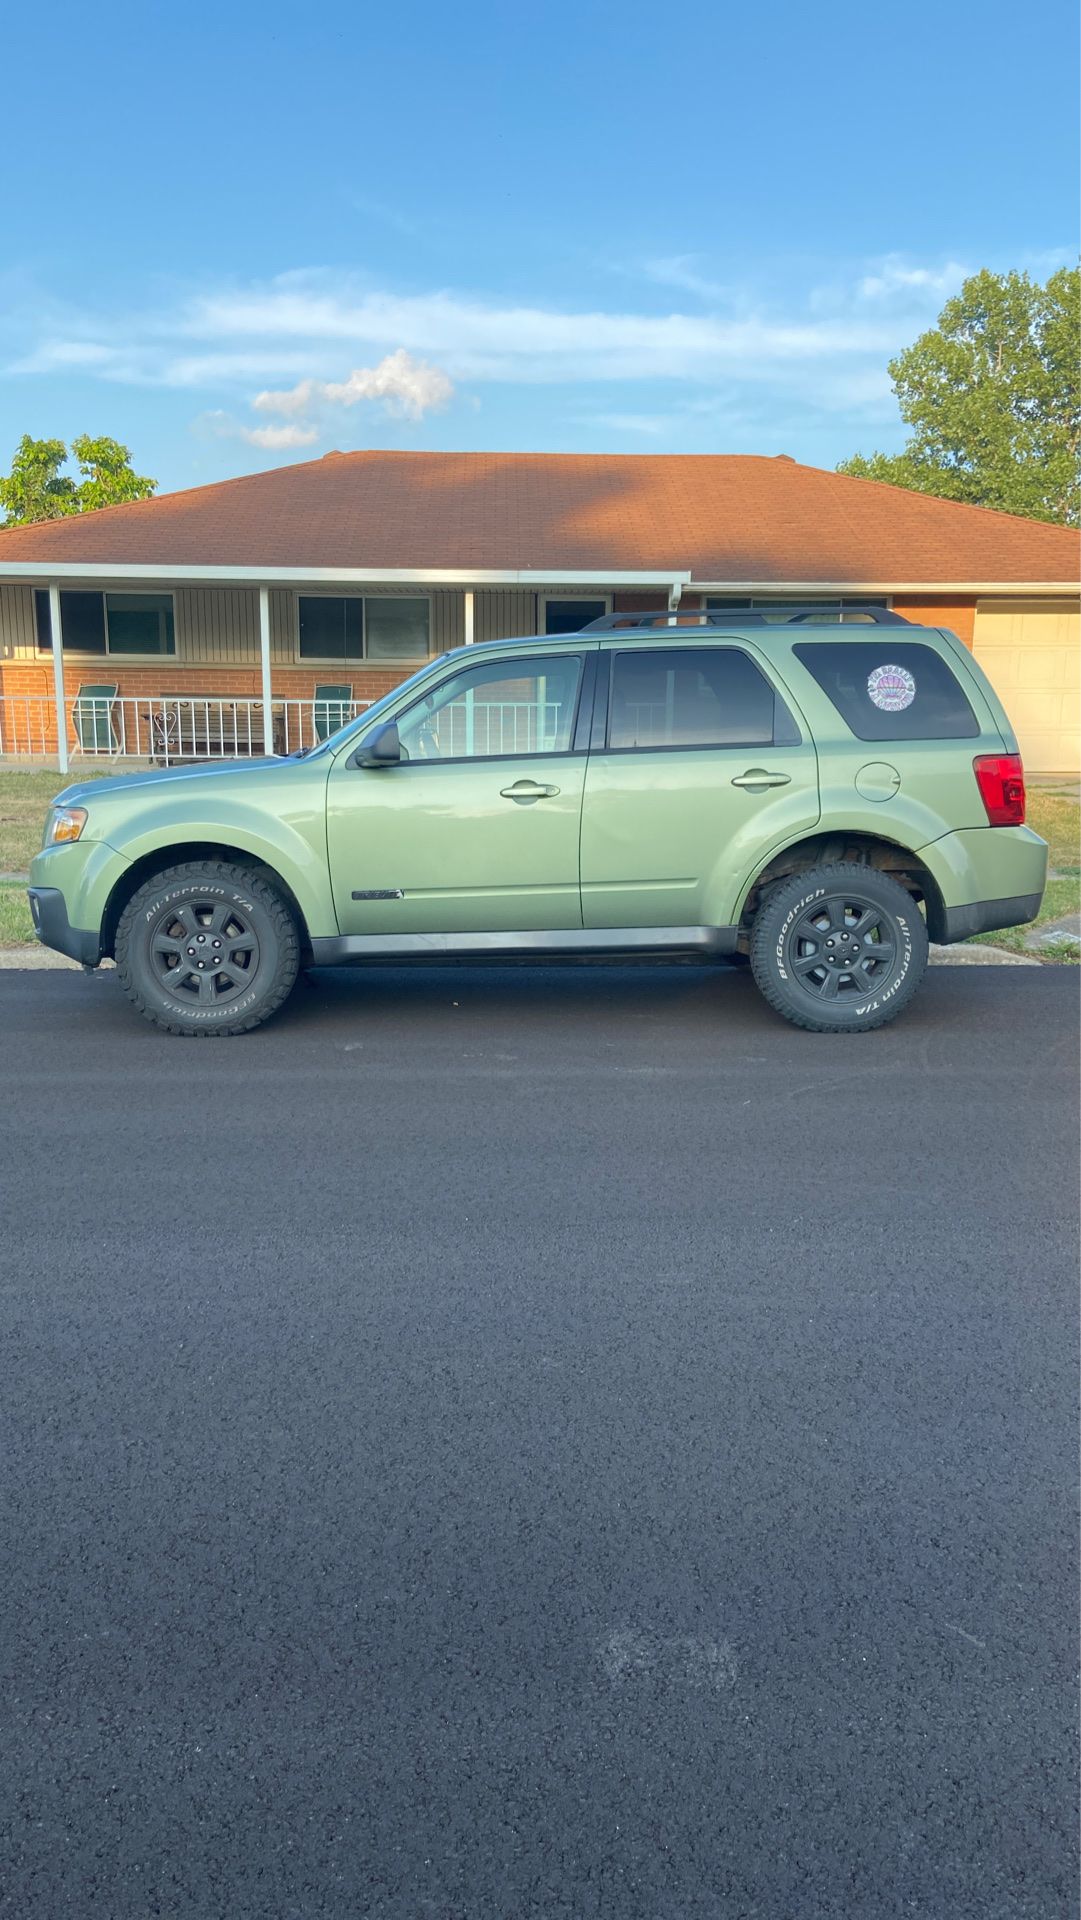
x=355, y=726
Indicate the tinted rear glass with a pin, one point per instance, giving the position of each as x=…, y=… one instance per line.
x=695, y=697
x=888, y=689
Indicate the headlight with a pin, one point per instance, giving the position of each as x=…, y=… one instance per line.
x=64, y=823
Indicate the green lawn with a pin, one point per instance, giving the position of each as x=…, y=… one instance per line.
x=1058, y=819
x=24, y=802
x=24, y=799
x=16, y=927
x=1063, y=896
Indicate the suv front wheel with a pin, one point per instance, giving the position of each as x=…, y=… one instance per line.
x=207, y=948
x=840, y=949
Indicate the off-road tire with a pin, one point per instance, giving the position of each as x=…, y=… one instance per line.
x=841, y=949
x=216, y=916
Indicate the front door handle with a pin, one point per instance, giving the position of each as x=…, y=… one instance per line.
x=756, y=779
x=527, y=790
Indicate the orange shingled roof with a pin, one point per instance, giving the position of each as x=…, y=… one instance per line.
x=723, y=517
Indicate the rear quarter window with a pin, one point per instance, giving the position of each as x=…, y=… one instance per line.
x=889, y=689
x=694, y=697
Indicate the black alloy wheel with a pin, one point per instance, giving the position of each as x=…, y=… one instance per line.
x=208, y=948
x=840, y=949
x=204, y=952
x=844, y=944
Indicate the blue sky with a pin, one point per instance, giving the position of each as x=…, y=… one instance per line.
x=237, y=236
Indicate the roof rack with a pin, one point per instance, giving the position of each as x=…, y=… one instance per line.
x=799, y=614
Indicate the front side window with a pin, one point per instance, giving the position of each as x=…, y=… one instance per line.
x=507, y=707
x=109, y=623
x=890, y=689
x=354, y=627
x=695, y=697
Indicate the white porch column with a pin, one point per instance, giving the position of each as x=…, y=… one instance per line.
x=468, y=597
x=264, y=655
x=57, y=631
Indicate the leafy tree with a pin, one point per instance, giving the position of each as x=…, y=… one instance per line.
x=36, y=489
x=993, y=398
x=109, y=478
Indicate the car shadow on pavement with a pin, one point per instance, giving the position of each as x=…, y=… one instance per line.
x=636, y=988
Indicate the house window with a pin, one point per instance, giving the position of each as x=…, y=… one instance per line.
x=331, y=628
x=396, y=629
x=853, y=610
x=570, y=616
x=109, y=623
x=352, y=627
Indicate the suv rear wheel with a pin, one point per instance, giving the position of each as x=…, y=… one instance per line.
x=207, y=948
x=840, y=949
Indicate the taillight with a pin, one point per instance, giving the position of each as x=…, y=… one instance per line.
x=1001, y=780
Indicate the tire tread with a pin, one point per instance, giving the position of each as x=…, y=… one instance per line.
x=764, y=937
x=254, y=881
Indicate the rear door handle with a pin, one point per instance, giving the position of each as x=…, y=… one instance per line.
x=527, y=790
x=756, y=779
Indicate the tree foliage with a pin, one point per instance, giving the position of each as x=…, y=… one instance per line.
x=992, y=396
x=36, y=489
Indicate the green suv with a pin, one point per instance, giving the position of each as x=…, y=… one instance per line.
x=816, y=796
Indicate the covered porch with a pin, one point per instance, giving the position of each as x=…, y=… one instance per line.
x=133, y=664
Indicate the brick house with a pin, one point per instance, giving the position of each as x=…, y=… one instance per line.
x=250, y=597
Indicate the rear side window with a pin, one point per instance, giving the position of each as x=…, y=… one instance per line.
x=889, y=689
x=695, y=697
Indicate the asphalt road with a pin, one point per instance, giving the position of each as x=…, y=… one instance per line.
x=514, y=1444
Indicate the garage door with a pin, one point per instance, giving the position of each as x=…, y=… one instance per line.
x=1030, y=650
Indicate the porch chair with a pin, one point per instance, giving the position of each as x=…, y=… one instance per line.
x=92, y=714
x=330, y=709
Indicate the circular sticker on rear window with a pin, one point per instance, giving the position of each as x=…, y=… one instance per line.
x=891, y=689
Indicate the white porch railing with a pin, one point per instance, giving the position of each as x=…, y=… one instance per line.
x=166, y=727
x=174, y=727
x=472, y=726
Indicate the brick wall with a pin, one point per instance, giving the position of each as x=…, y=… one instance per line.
x=942, y=610
x=146, y=681
x=34, y=679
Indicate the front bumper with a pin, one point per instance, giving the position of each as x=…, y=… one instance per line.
x=49, y=912
x=69, y=892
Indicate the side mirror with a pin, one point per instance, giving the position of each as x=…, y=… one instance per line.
x=382, y=749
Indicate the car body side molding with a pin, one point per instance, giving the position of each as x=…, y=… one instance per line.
x=347, y=950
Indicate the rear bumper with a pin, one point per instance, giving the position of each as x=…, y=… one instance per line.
x=986, y=916
x=49, y=912
x=986, y=878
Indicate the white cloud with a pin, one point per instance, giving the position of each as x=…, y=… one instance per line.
x=80, y=353
x=478, y=341
x=277, y=438
x=894, y=277
x=285, y=339
x=681, y=270
x=407, y=387
x=280, y=346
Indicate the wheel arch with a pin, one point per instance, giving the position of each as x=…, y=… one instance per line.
x=148, y=864
x=827, y=848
